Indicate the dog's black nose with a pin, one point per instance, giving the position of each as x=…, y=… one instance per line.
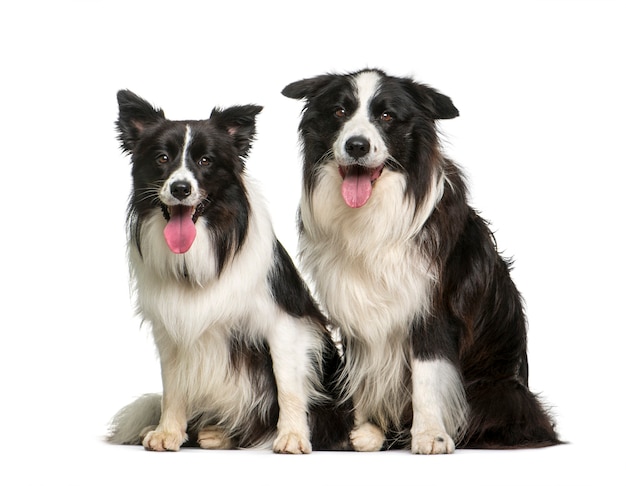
x=180, y=189
x=357, y=147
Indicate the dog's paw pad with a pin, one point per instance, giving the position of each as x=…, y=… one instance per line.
x=163, y=441
x=367, y=438
x=292, y=443
x=432, y=442
x=214, y=438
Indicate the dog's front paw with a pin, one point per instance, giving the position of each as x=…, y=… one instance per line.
x=432, y=442
x=156, y=440
x=214, y=438
x=367, y=437
x=145, y=431
x=292, y=443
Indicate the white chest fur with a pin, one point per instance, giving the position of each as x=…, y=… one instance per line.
x=368, y=269
x=184, y=294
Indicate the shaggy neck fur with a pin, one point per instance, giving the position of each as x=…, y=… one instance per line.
x=386, y=292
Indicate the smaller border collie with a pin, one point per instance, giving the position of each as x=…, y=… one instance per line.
x=246, y=356
x=433, y=327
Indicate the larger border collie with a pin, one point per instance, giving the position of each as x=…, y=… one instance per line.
x=433, y=326
x=246, y=356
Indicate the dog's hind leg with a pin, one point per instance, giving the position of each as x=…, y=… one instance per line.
x=365, y=436
x=214, y=437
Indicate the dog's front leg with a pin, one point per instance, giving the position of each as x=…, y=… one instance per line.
x=439, y=406
x=291, y=349
x=170, y=434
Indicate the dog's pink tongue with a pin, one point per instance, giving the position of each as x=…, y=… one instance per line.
x=180, y=230
x=357, y=186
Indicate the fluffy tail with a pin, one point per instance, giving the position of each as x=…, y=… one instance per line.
x=506, y=415
x=129, y=424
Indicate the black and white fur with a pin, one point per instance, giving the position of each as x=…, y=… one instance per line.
x=433, y=326
x=246, y=357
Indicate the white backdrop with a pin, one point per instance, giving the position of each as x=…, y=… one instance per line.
x=540, y=87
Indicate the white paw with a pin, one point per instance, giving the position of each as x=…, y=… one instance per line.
x=214, y=437
x=145, y=431
x=163, y=440
x=432, y=442
x=367, y=438
x=292, y=443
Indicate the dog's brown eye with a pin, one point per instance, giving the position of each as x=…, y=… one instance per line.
x=386, y=116
x=163, y=159
x=204, y=161
x=340, y=112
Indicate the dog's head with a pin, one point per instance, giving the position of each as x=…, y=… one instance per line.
x=187, y=169
x=366, y=123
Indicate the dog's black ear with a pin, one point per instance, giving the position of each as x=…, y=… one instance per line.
x=135, y=115
x=438, y=105
x=240, y=123
x=306, y=88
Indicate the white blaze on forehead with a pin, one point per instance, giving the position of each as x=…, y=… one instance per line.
x=186, y=145
x=182, y=173
x=365, y=86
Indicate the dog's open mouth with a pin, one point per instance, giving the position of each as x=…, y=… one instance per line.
x=357, y=184
x=180, y=230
